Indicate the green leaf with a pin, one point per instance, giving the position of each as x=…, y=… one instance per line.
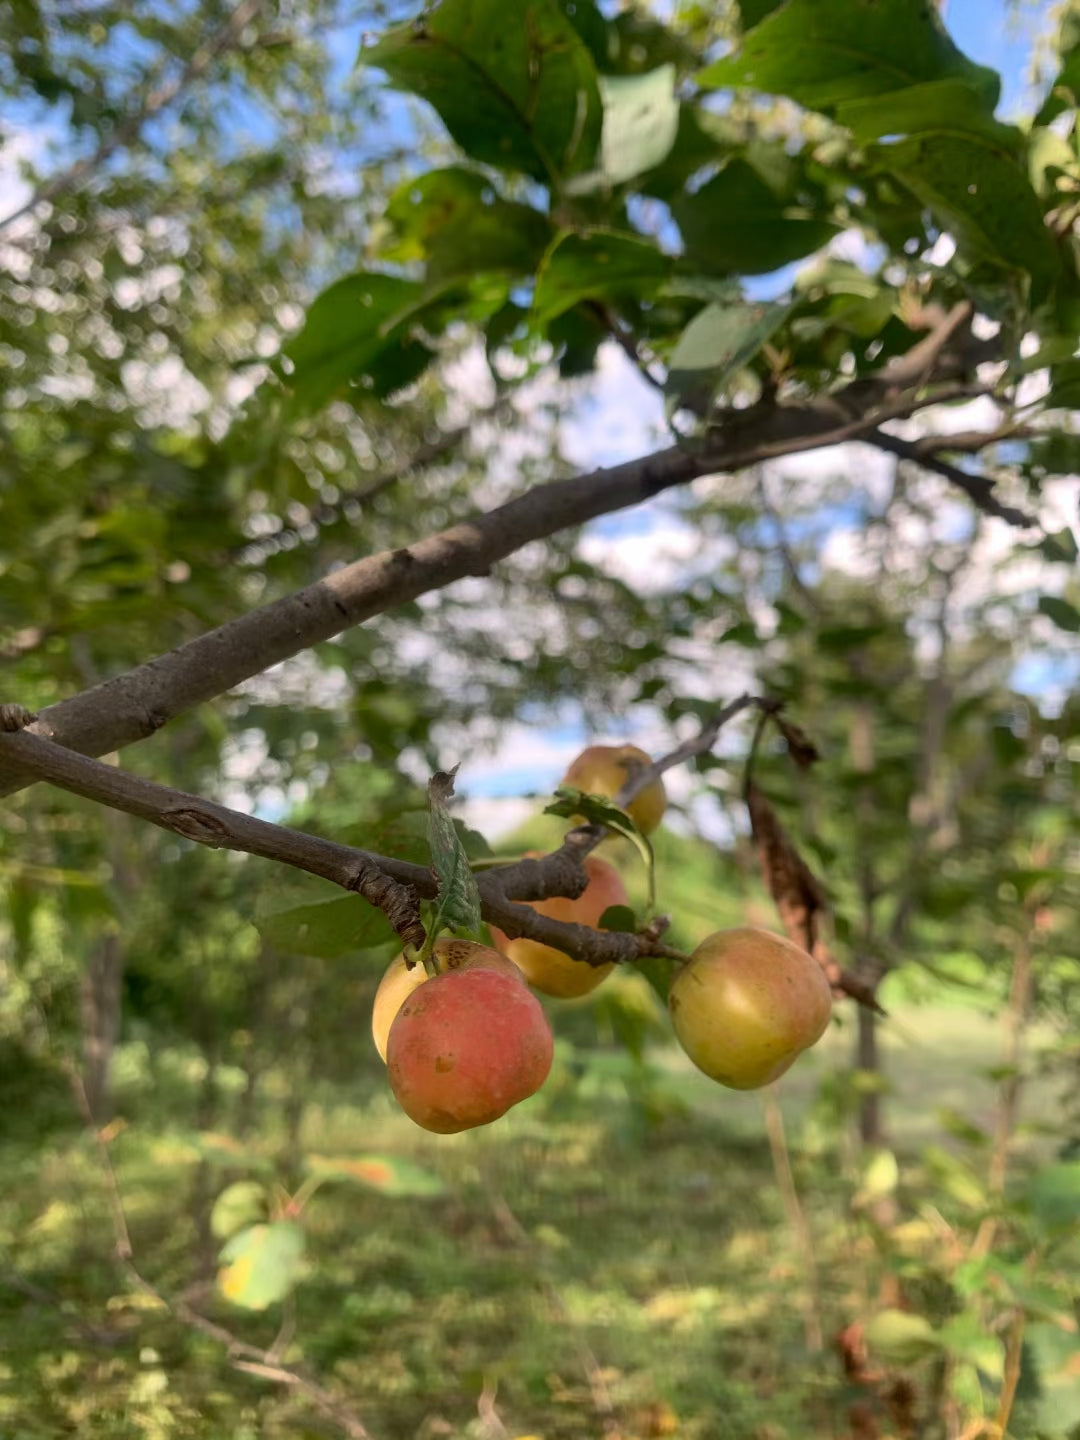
x=1051, y=1367
x=602, y=265
x=720, y=340
x=966, y=1338
x=880, y=1177
x=1064, y=92
x=1064, y=615
x=261, y=1264
x=347, y=327
x=736, y=223
x=1053, y=1193
x=455, y=221
x=641, y=122
x=580, y=806
x=618, y=917
x=1060, y=545
x=898, y=1338
x=823, y=52
x=935, y=107
x=323, y=927
x=459, y=899
x=237, y=1206
x=516, y=89
x=1064, y=386
x=957, y=1179
x=383, y=1173
x=981, y=194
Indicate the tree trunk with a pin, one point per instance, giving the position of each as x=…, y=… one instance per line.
x=868, y=1061
x=99, y=1010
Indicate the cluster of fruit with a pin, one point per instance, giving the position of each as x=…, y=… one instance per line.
x=464, y=1045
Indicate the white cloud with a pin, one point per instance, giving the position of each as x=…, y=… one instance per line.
x=620, y=418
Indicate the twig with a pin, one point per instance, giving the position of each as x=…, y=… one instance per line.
x=783, y=544
x=1010, y=1086
x=249, y=1359
x=1014, y=1355
x=796, y=1215
x=156, y=100
x=625, y=341
x=978, y=489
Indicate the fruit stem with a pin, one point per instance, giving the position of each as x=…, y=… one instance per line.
x=425, y=955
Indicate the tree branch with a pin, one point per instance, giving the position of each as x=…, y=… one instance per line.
x=392, y=885
x=978, y=489
x=132, y=706
x=156, y=100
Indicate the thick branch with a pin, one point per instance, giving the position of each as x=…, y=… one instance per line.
x=132, y=706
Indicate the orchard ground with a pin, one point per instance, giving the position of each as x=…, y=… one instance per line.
x=618, y=1240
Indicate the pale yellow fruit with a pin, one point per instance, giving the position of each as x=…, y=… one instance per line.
x=605, y=769
x=747, y=1004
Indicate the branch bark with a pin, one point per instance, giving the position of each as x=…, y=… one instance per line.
x=394, y=886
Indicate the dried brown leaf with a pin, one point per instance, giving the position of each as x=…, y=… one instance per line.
x=800, y=747
x=793, y=886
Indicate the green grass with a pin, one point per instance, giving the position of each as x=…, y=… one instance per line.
x=619, y=1240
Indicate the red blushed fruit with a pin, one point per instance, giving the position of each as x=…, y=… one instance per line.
x=465, y=1047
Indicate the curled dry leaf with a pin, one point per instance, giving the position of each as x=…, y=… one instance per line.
x=800, y=747
x=798, y=895
x=792, y=884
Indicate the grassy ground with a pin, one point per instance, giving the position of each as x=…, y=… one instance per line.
x=615, y=1248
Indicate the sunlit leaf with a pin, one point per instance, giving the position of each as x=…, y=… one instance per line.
x=241, y=1204
x=261, y=1265
x=521, y=96
x=900, y=1338
x=385, y=1174
x=822, y=52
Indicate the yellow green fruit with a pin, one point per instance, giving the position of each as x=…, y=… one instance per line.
x=747, y=1004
